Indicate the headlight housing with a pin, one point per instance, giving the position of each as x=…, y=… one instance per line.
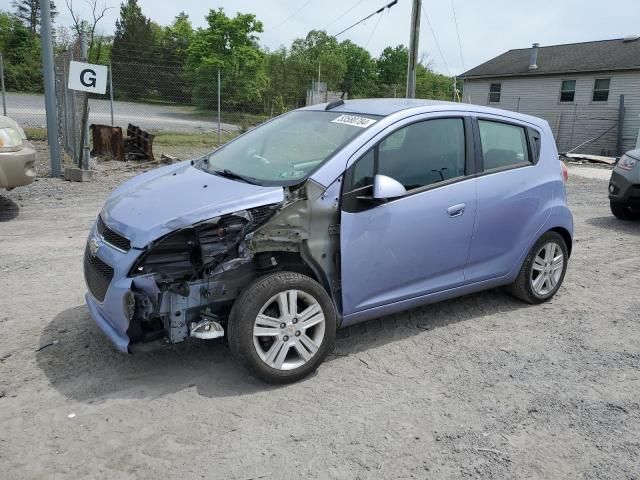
x=626, y=163
x=187, y=252
x=10, y=139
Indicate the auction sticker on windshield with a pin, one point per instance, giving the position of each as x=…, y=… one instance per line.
x=354, y=121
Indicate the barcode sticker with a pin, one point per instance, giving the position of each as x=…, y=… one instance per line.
x=354, y=121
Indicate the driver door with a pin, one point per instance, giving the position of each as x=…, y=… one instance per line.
x=417, y=244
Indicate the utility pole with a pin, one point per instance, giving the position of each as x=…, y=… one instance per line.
x=50, y=102
x=413, y=48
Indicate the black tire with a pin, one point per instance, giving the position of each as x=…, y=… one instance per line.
x=522, y=288
x=623, y=212
x=245, y=311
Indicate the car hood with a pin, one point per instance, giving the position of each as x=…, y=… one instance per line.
x=158, y=202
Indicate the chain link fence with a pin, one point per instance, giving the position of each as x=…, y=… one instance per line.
x=70, y=103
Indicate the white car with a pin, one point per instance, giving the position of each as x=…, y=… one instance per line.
x=17, y=155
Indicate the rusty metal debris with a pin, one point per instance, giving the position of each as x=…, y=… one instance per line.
x=139, y=144
x=109, y=143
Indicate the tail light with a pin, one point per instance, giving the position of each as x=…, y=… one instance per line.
x=565, y=172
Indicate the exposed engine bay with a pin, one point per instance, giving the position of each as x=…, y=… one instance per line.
x=184, y=283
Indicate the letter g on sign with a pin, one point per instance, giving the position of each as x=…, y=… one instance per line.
x=88, y=77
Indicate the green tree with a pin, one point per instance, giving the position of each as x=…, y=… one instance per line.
x=430, y=84
x=392, y=71
x=177, y=37
x=134, y=52
x=231, y=46
x=21, y=51
x=359, y=78
x=29, y=12
x=319, y=53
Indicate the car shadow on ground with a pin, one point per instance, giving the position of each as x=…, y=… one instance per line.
x=80, y=362
x=8, y=209
x=612, y=223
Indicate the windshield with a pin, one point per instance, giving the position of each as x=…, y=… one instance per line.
x=287, y=149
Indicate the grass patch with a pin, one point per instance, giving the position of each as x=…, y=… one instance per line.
x=235, y=118
x=177, y=139
x=36, y=134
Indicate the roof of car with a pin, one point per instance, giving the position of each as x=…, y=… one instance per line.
x=379, y=106
x=389, y=106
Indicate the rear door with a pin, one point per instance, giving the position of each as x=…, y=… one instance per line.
x=416, y=244
x=512, y=191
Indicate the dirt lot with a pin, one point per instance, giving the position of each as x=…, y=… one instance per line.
x=482, y=386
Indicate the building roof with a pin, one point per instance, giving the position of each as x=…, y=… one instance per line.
x=604, y=55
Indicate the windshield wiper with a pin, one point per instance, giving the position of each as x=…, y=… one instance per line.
x=235, y=176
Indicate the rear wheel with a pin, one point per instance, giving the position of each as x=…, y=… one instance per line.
x=282, y=327
x=543, y=270
x=624, y=212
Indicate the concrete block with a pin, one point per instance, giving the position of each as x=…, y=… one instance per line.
x=76, y=174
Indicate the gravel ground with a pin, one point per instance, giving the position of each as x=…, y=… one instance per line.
x=482, y=386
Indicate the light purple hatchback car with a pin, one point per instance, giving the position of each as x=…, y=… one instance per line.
x=328, y=216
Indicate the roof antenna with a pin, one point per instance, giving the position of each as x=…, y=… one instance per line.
x=334, y=104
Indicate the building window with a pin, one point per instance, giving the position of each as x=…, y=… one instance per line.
x=494, y=92
x=568, y=91
x=601, y=89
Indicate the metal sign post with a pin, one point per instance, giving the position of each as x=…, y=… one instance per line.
x=111, y=91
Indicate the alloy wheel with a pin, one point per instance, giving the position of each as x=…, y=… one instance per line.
x=289, y=330
x=547, y=268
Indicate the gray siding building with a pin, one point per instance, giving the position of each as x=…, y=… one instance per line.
x=578, y=88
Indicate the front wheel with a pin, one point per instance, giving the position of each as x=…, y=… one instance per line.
x=543, y=270
x=282, y=326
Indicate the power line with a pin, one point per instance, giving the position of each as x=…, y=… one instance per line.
x=455, y=20
x=342, y=14
x=433, y=33
x=289, y=17
x=373, y=31
x=380, y=10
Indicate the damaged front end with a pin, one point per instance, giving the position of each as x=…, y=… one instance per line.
x=184, y=283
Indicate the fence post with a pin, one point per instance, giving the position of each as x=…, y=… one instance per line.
x=111, y=93
x=51, y=104
x=619, y=145
x=83, y=161
x=65, y=106
x=218, y=107
x=4, y=97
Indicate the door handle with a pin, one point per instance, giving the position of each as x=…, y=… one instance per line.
x=456, y=210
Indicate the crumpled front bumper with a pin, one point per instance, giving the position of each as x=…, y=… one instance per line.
x=110, y=314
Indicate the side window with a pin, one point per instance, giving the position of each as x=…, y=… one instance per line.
x=424, y=153
x=502, y=144
x=360, y=174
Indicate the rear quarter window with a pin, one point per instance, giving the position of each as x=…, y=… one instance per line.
x=503, y=144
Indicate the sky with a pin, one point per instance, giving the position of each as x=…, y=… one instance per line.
x=487, y=27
